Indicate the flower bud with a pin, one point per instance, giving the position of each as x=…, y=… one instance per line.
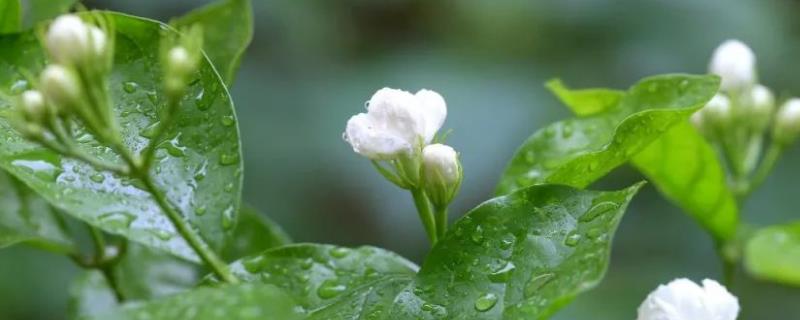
x=60, y=86
x=441, y=173
x=761, y=105
x=180, y=63
x=787, y=122
x=33, y=107
x=717, y=112
x=682, y=299
x=735, y=63
x=70, y=41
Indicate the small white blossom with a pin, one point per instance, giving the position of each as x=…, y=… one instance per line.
x=179, y=61
x=787, y=121
x=717, y=110
x=59, y=85
x=396, y=122
x=682, y=299
x=761, y=97
x=735, y=63
x=71, y=41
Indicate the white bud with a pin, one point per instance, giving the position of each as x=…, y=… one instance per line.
x=683, y=299
x=396, y=122
x=735, y=63
x=179, y=61
x=441, y=172
x=71, y=41
x=60, y=86
x=33, y=105
x=787, y=122
x=761, y=105
x=717, y=111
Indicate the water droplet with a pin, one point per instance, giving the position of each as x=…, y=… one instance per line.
x=117, y=219
x=97, y=177
x=330, y=288
x=485, y=302
x=150, y=131
x=162, y=234
x=537, y=282
x=42, y=164
x=201, y=100
x=572, y=239
x=339, y=252
x=200, y=210
x=228, y=218
x=130, y=86
x=566, y=130
x=228, y=121
x=19, y=86
x=228, y=159
x=228, y=187
x=477, y=235
x=598, y=210
x=502, y=274
x=255, y=264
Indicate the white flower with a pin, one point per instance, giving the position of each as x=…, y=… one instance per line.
x=683, y=299
x=787, y=121
x=396, y=122
x=71, y=41
x=735, y=63
x=761, y=97
x=60, y=86
x=718, y=110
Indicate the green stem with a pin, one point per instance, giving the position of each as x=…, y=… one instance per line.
x=193, y=238
x=108, y=273
x=767, y=164
x=441, y=222
x=99, y=244
x=424, y=209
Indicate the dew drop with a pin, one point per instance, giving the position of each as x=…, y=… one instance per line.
x=572, y=239
x=598, y=210
x=339, y=252
x=502, y=274
x=200, y=210
x=228, y=218
x=130, y=86
x=330, y=288
x=537, y=282
x=117, y=219
x=97, y=177
x=485, y=302
x=477, y=235
x=228, y=159
x=161, y=234
x=227, y=121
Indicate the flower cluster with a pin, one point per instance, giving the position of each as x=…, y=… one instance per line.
x=683, y=299
x=744, y=113
x=73, y=87
x=399, y=129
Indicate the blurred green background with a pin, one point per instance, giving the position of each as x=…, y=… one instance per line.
x=312, y=65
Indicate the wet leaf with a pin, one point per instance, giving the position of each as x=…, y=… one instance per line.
x=227, y=31
x=198, y=166
x=520, y=256
x=579, y=151
x=26, y=217
x=773, y=253
x=245, y=301
x=318, y=275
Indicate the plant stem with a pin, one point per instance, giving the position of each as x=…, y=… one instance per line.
x=767, y=164
x=193, y=238
x=441, y=221
x=99, y=244
x=108, y=273
x=425, y=214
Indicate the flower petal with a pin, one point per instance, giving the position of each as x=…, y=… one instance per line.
x=434, y=109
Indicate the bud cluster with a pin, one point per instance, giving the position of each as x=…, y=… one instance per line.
x=180, y=56
x=740, y=117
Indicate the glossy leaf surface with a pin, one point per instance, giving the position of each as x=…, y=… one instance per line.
x=773, y=253
x=198, y=166
x=579, y=151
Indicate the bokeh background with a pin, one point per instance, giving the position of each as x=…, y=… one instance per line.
x=313, y=64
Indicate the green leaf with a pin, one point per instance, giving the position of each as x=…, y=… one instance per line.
x=42, y=10
x=245, y=301
x=585, y=102
x=579, y=151
x=519, y=256
x=89, y=295
x=773, y=253
x=254, y=233
x=199, y=165
x=317, y=275
x=26, y=217
x=686, y=169
x=10, y=16
x=227, y=31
